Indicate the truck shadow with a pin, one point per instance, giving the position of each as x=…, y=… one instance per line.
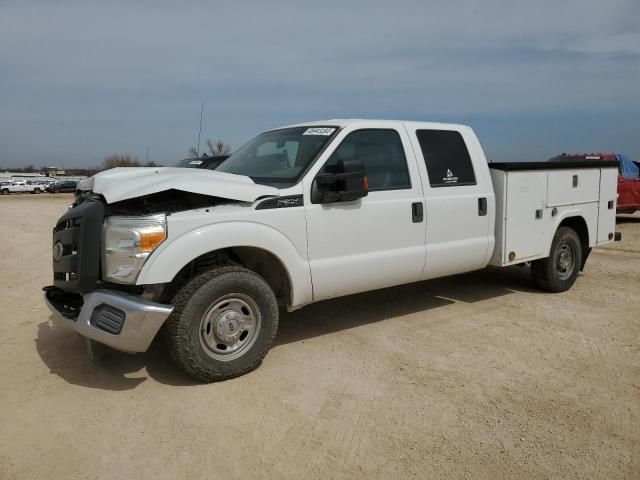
x=627, y=219
x=66, y=356
x=343, y=313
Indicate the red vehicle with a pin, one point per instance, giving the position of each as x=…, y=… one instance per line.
x=628, y=177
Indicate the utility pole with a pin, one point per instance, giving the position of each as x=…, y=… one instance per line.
x=147, y=159
x=200, y=129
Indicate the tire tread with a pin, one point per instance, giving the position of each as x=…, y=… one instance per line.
x=178, y=328
x=543, y=270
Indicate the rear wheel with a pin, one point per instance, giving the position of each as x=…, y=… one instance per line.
x=223, y=324
x=558, y=272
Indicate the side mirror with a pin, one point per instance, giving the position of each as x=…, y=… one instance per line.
x=348, y=183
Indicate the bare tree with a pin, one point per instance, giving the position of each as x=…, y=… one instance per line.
x=215, y=148
x=120, y=160
x=193, y=153
x=218, y=147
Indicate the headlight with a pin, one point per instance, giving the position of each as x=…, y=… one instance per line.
x=128, y=241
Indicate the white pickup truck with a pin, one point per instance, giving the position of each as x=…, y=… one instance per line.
x=305, y=213
x=22, y=187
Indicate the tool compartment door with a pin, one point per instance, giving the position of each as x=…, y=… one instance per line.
x=568, y=187
x=607, y=206
x=524, y=230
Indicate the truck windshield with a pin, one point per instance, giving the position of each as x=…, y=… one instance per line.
x=279, y=156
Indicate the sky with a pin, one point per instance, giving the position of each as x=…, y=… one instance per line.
x=80, y=80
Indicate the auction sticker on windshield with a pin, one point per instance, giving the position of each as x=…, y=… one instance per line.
x=319, y=131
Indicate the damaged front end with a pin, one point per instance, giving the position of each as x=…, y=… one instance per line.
x=82, y=297
x=102, y=242
x=169, y=201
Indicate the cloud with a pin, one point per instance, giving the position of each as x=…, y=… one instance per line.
x=89, y=78
x=615, y=44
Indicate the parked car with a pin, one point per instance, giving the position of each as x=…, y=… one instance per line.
x=306, y=213
x=209, y=162
x=628, y=177
x=21, y=187
x=64, y=186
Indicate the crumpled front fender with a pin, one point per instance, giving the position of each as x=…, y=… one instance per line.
x=171, y=256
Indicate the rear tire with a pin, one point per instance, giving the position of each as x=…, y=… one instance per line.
x=223, y=324
x=559, y=271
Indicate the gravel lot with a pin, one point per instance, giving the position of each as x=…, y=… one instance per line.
x=475, y=376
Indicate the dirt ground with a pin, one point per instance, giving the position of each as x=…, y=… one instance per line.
x=475, y=376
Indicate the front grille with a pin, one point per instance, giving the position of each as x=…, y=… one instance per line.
x=67, y=233
x=76, y=247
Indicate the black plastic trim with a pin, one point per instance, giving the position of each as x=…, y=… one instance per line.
x=482, y=206
x=79, y=231
x=281, y=202
x=108, y=318
x=68, y=304
x=417, y=212
x=559, y=165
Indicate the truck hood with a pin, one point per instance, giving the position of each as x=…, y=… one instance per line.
x=123, y=183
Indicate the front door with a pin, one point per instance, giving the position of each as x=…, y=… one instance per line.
x=375, y=241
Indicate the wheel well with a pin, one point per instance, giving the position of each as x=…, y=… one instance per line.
x=580, y=227
x=260, y=261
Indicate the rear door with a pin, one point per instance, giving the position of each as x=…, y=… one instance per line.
x=460, y=204
x=376, y=241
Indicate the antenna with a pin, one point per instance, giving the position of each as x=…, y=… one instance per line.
x=200, y=130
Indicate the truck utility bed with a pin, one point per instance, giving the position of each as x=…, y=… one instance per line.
x=533, y=198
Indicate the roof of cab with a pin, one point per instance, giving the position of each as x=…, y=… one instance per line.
x=344, y=122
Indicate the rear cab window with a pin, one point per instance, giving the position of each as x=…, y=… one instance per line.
x=446, y=157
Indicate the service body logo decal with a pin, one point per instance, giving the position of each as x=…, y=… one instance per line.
x=450, y=178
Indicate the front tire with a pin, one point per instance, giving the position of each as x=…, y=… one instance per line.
x=223, y=324
x=559, y=271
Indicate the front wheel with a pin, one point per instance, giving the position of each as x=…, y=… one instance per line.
x=558, y=272
x=223, y=324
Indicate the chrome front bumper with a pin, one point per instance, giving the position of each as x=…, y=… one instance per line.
x=132, y=322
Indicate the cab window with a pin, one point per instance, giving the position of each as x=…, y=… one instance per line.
x=382, y=155
x=446, y=157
